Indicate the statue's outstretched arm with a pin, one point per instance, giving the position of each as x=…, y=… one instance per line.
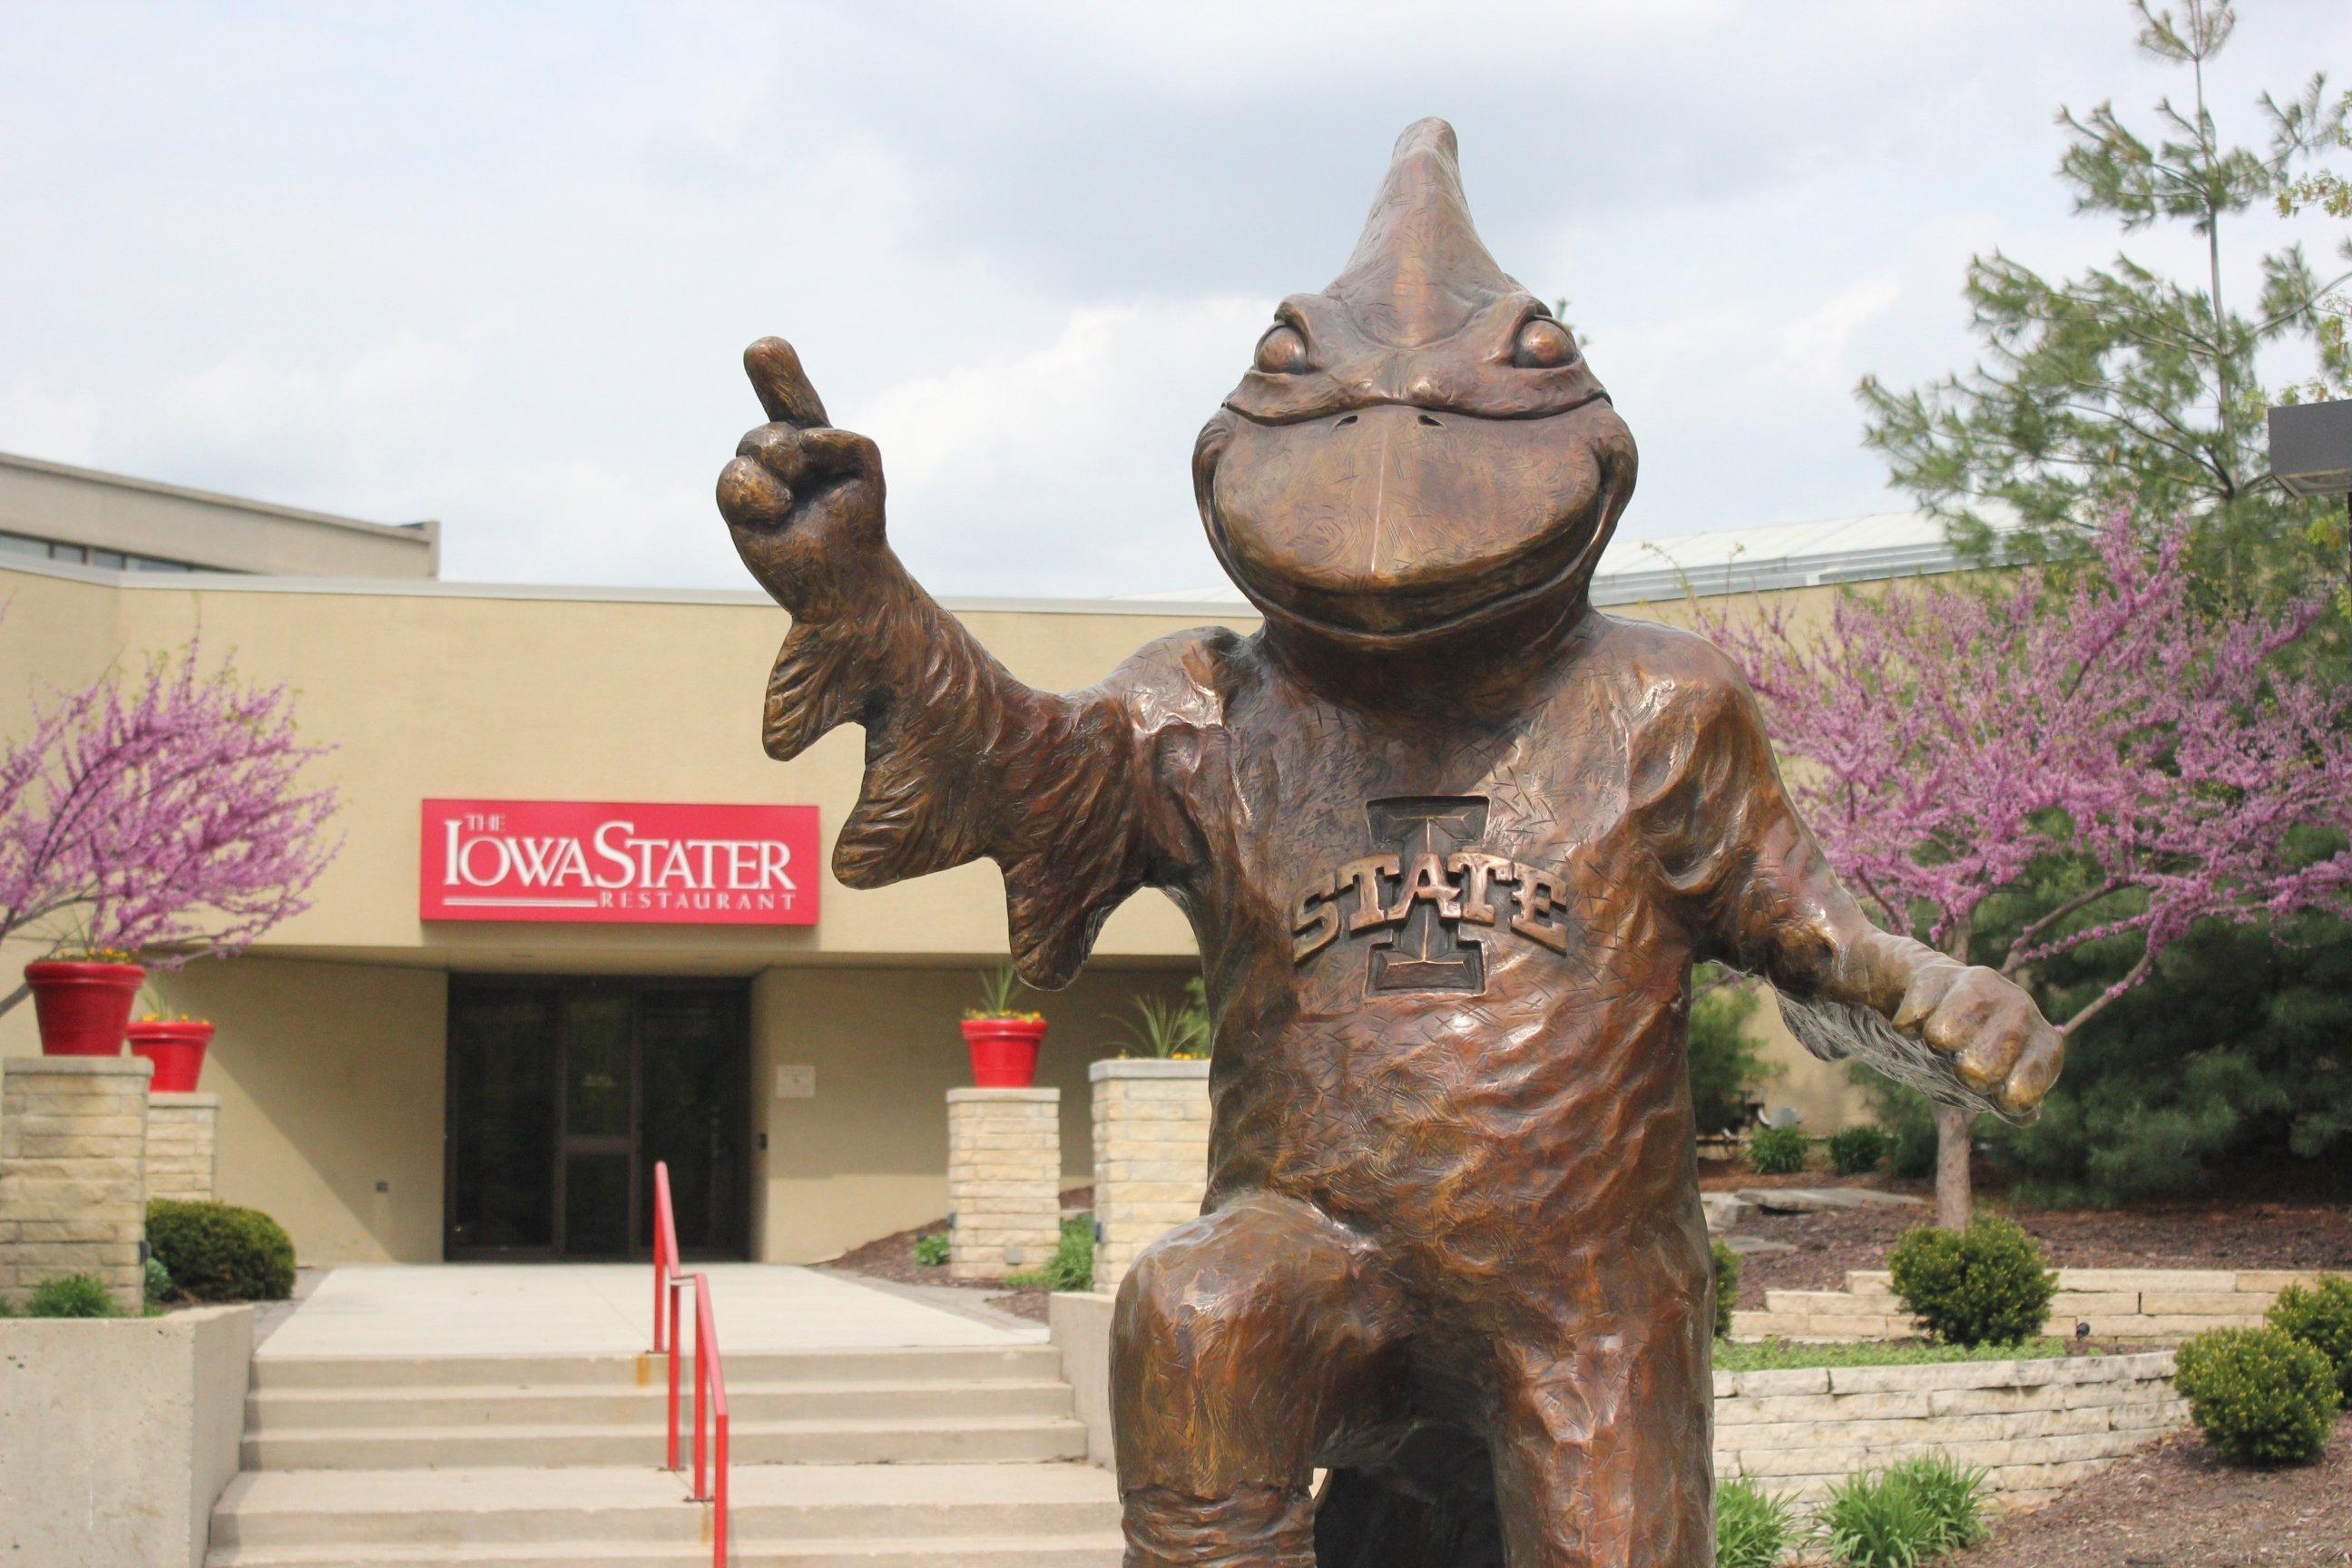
x=1768, y=904
x=961, y=759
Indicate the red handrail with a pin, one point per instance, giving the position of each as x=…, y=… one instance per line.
x=665, y=1252
x=709, y=1370
x=664, y=1298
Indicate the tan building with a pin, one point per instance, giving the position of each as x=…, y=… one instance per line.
x=413, y=1088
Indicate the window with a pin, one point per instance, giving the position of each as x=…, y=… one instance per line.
x=91, y=555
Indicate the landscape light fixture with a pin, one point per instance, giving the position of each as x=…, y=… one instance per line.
x=2311, y=450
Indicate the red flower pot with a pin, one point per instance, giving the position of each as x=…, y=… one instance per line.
x=83, y=1008
x=177, y=1049
x=1003, y=1051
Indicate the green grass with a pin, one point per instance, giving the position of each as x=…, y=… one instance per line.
x=1783, y=1355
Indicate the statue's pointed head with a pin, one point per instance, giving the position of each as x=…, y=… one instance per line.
x=1420, y=446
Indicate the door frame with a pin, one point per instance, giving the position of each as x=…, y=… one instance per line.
x=640, y=1179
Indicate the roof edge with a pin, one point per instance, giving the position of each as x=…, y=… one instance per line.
x=426, y=529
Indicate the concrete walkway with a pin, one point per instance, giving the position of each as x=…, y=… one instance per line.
x=493, y=1309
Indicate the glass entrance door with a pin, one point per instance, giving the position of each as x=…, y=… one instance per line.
x=564, y=1093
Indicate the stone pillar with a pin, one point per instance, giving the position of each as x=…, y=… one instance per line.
x=73, y=1187
x=182, y=1158
x=1151, y=1155
x=1004, y=1180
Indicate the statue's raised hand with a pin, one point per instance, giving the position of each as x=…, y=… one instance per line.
x=802, y=500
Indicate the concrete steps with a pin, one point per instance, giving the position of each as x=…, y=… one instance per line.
x=1096, y=1551
x=875, y=1458
x=780, y=1503
x=295, y=1410
x=900, y=1441
x=954, y=1363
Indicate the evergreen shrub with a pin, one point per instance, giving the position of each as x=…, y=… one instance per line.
x=1984, y=1285
x=2260, y=1395
x=220, y=1252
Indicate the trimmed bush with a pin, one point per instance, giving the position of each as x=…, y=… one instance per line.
x=933, y=1251
x=1982, y=1285
x=220, y=1252
x=2260, y=1395
x=1856, y=1150
x=1778, y=1150
x=1072, y=1266
x=1753, y=1528
x=159, y=1282
x=1905, y=1514
x=2320, y=1317
x=72, y=1296
x=1727, y=1286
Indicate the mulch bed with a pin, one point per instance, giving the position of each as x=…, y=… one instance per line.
x=2172, y=1236
x=2171, y=1506
x=2175, y=1235
x=892, y=1257
x=2176, y=1506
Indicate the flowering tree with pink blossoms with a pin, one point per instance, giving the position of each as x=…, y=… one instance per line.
x=160, y=814
x=1947, y=744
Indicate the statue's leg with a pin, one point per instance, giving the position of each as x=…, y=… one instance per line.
x=1241, y=1342
x=1603, y=1446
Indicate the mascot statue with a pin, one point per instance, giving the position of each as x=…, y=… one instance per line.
x=1451, y=841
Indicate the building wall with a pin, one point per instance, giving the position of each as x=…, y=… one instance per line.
x=868, y=1154
x=331, y=1057
x=172, y=522
x=330, y=1078
x=539, y=698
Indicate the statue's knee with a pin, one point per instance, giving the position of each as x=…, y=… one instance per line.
x=1174, y=1292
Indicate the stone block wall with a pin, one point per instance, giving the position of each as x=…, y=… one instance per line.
x=1004, y=1172
x=1151, y=1155
x=73, y=1188
x=2034, y=1426
x=183, y=1155
x=2157, y=1305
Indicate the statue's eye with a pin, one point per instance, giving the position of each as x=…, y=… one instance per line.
x=1543, y=343
x=1282, y=351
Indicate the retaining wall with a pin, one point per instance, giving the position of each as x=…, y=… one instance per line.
x=118, y=1434
x=2034, y=1426
x=2155, y=1305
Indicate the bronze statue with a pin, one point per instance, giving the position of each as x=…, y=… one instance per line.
x=1451, y=841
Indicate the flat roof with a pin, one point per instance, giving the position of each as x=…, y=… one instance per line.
x=402, y=531
x=1871, y=547
x=438, y=588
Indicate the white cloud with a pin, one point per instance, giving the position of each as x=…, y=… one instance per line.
x=495, y=265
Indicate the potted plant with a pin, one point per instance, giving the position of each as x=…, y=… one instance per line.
x=1169, y=1031
x=1003, y=1039
x=177, y=1047
x=81, y=1000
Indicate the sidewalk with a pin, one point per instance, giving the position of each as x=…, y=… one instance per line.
x=521, y=1308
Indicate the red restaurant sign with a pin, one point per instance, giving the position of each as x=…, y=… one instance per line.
x=593, y=861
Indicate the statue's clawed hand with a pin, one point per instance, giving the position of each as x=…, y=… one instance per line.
x=1994, y=1038
x=802, y=500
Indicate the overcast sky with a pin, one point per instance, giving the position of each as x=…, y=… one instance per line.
x=495, y=264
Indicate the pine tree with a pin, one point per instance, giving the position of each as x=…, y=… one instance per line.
x=2125, y=386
